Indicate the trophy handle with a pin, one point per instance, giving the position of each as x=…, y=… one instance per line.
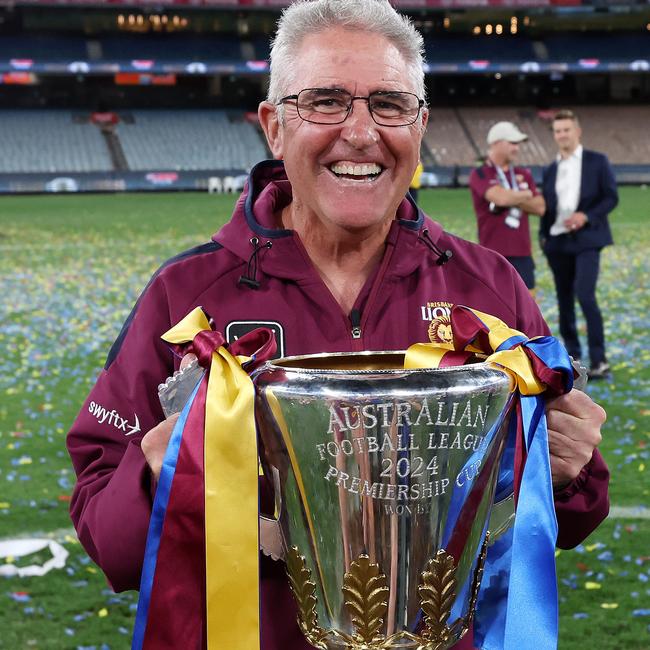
x=272, y=541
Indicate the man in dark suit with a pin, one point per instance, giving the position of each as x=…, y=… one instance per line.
x=580, y=191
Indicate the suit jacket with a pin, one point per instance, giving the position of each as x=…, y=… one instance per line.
x=598, y=197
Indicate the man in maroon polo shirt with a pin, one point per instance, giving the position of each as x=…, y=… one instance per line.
x=504, y=196
x=324, y=248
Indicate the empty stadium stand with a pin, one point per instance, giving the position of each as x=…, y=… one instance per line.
x=220, y=141
x=479, y=121
x=457, y=137
x=50, y=141
x=446, y=139
x=163, y=139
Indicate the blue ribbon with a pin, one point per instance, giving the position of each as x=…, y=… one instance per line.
x=519, y=588
x=156, y=524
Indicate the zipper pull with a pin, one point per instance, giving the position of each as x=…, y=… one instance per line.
x=355, y=319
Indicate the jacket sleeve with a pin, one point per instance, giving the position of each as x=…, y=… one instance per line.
x=607, y=192
x=583, y=504
x=111, y=502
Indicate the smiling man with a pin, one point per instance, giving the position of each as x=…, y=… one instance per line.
x=323, y=248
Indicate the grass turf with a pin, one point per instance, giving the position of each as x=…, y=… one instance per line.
x=70, y=269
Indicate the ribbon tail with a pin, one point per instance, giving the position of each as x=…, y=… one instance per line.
x=156, y=523
x=532, y=601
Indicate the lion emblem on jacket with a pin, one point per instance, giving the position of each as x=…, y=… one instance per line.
x=440, y=330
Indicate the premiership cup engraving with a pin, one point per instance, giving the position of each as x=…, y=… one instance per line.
x=386, y=479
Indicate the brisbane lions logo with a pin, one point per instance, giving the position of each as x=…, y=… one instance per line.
x=438, y=315
x=440, y=330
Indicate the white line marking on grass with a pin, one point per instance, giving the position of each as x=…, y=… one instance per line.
x=60, y=534
x=629, y=512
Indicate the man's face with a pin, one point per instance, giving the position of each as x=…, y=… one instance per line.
x=505, y=152
x=353, y=175
x=567, y=134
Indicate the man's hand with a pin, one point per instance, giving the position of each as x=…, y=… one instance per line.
x=574, y=423
x=155, y=441
x=576, y=221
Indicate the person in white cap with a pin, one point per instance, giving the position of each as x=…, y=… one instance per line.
x=504, y=196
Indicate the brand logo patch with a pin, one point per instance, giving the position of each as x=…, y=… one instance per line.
x=114, y=419
x=438, y=315
x=237, y=328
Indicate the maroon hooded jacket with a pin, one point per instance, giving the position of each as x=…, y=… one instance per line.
x=424, y=270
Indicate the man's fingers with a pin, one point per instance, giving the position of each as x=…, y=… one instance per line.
x=155, y=441
x=579, y=405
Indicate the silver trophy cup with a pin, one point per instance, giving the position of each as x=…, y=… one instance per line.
x=384, y=481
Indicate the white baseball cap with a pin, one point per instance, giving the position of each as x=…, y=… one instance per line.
x=505, y=131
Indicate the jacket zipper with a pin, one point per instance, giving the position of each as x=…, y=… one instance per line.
x=355, y=321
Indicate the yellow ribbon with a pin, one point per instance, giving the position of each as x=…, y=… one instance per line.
x=515, y=362
x=231, y=496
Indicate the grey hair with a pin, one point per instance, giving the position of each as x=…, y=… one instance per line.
x=305, y=17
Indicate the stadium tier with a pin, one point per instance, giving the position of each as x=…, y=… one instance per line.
x=189, y=140
x=227, y=53
x=457, y=136
x=65, y=141
x=148, y=144
x=50, y=141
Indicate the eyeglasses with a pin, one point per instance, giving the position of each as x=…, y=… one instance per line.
x=333, y=105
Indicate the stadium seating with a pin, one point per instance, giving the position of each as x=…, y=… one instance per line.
x=463, y=48
x=50, y=141
x=479, y=120
x=446, y=140
x=59, y=141
x=164, y=139
x=40, y=47
x=224, y=48
x=457, y=137
x=620, y=132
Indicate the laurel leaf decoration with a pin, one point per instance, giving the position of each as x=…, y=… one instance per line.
x=437, y=594
x=366, y=598
x=304, y=591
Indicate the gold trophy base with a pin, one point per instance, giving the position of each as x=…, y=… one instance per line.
x=366, y=600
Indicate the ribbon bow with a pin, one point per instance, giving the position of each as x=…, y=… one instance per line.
x=519, y=575
x=222, y=405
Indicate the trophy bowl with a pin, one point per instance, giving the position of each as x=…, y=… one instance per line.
x=384, y=482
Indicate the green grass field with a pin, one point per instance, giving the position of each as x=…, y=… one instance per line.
x=71, y=268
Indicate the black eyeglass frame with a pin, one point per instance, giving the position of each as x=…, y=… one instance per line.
x=351, y=105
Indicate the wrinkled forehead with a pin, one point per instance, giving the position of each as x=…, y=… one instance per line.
x=358, y=61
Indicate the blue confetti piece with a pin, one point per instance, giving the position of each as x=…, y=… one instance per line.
x=579, y=615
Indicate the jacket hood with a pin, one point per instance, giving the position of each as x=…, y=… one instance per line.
x=254, y=225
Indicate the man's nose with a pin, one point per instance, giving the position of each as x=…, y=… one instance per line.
x=359, y=129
